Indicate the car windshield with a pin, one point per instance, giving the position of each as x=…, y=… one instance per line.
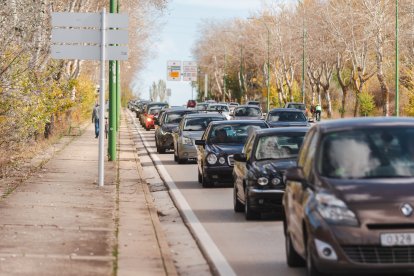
x=199, y=124
x=173, y=118
x=218, y=108
x=232, y=133
x=297, y=106
x=247, y=112
x=369, y=153
x=154, y=111
x=285, y=116
x=279, y=146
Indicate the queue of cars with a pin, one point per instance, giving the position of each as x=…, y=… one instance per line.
x=344, y=188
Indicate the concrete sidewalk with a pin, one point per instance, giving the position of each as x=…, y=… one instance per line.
x=58, y=222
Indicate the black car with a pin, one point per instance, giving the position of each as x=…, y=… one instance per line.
x=286, y=117
x=215, y=150
x=168, y=121
x=258, y=170
x=139, y=107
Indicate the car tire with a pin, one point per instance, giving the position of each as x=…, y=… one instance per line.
x=205, y=182
x=248, y=212
x=293, y=259
x=176, y=158
x=181, y=160
x=200, y=177
x=237, y=205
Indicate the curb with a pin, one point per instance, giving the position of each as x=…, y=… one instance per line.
x=167, y=259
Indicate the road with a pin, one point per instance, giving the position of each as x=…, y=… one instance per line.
x=248, y=247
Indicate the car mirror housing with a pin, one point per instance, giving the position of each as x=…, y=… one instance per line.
x=200, y=142
x=295, y=174
x=240, y=157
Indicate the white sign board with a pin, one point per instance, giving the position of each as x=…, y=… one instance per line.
x=168, y=92
x=173, y=70
x=189, y=71
x=90, y=36
x=89, y=20
x=88, y=52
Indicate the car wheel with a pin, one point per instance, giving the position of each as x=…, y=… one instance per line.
x=248, y=212
x=200, y=177
x=310, y=266
x=293, y=259
x=181, y=160
x=205, y=182
x=176, y=159
x=237, y=205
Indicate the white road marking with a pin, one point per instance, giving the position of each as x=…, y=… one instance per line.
x=210, y=248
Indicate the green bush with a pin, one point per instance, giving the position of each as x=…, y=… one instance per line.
x=367, y=104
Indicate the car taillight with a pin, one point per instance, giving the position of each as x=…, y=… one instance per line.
x=149, y=119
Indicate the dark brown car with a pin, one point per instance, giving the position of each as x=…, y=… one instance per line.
x=349, y=203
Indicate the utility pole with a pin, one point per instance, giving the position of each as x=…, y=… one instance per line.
x=268, y=68
x=397, y=70
x=224, y=76
x=112, y=101
x=118, y=84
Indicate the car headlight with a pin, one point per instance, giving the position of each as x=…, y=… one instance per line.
x=211, y=159
x=276, y=181
x=334, y=210
x=262, y=181
x=222, y=160
x=187, y=141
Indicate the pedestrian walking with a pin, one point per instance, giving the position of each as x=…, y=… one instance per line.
x=95, y=119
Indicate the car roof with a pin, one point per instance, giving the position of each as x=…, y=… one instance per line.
x=269, y=131
x=237, y=122
x=285, y=109
x=364, y=122
x=183, y=110
x=294, y=103
x=202, y=115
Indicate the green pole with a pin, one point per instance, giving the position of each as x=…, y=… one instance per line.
x=118, y=86
x=224, y=76
x=268, y=69
x=397, y=71
x=112, y=101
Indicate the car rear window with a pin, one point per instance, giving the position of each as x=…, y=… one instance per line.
x=247, y=112
x=279, y=146
x=199, y=124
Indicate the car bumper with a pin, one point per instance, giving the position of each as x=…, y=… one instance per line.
x=187, y=151
x=217, y=174
x=265, y=200
x=357, y=251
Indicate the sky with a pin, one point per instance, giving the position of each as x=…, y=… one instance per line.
x=179, y=34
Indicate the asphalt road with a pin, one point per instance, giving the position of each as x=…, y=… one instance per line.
x=248, y=247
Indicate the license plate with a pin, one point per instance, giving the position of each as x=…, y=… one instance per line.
x=397, y=239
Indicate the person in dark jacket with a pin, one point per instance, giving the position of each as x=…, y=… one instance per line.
x=95, y=119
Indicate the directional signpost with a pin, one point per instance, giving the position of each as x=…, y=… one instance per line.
x=174, y=70
x=87, y=36
x=189, y=71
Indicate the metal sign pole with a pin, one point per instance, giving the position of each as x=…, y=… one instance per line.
x=102, y=104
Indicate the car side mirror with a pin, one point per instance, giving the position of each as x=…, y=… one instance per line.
x=240, y=157
x=200, y=142
x=295, y=174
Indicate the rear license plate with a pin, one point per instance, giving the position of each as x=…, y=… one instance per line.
x=397, y=239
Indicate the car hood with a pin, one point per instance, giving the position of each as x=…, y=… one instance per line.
x=287, y=124
x=168, y=127
x=272, y=168
x=376, y=201
x=224, y=148
x=195, y=135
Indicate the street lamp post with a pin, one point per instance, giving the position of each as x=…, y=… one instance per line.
x=268, y=65
x=303, y=54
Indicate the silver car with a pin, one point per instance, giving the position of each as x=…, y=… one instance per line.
x=191, y=128
x=247, y=112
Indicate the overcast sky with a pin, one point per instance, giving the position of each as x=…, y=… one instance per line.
x=179, y=34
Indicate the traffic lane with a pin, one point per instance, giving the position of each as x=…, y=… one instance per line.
x=250, y=247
